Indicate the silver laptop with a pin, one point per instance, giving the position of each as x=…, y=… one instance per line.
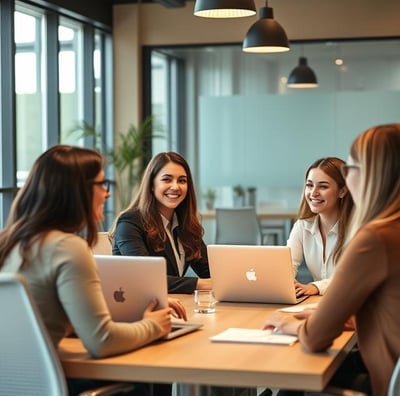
x=129, y=283
x=259, y=274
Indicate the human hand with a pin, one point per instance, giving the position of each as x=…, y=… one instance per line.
x=204, y=284
x=162, y=317
x=285, y=323
x=179, y=310
x=305, y=290
x=304, y=314
x=350, y=324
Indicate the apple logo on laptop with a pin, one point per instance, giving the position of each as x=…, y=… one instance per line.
x=251, y=275
x=119, y=295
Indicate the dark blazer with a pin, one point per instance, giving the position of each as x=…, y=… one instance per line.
x=130, y=239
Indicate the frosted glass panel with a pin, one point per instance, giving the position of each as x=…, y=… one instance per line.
x=357, y=111
x=268, y=141
x=262, y=140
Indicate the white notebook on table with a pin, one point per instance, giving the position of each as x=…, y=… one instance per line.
x=253, y=336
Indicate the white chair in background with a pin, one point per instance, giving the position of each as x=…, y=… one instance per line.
x=275, y=232
x=103, y=245
x=29, y=363
x=237, y=226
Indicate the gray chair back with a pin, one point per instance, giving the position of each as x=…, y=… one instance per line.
x=237, y=226
x=29, y=364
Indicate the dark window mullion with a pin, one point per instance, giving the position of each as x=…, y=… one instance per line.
x=52, y=97
x=88, y=81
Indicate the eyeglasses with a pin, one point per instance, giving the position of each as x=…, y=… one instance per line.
x=106, y=184
x=344, y=169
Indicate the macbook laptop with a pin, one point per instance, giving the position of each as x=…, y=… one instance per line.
x=259, y=274
x=129, y=283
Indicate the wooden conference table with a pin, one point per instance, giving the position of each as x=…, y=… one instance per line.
x=194, y=359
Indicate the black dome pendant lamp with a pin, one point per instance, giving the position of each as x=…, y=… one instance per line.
x=302, y=76
x=266, y=35
x=224, y=8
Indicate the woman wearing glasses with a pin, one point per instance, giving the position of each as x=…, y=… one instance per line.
x=318, y=235
x=162, y=220
x=367, y=277
x=64, y=195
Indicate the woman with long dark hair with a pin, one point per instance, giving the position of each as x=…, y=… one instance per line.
x=162, y=220
x=63, y=196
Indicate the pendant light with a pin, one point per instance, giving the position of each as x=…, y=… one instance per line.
x=266, y=35
x=224, y=8
x=302, y=76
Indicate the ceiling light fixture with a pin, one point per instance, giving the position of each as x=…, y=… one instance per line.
x=266, y=35
x=302, y=76
x=224, y=8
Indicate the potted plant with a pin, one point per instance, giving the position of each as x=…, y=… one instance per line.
x=238, y=195
x=251, y=196
x=128, y=155
x=210, y=196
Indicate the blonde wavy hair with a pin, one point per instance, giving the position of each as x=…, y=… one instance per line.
x=377, y=152
x=331, y=166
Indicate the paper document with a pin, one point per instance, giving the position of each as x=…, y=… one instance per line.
x=256, y=336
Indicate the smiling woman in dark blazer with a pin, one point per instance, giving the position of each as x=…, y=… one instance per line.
x=162, y=220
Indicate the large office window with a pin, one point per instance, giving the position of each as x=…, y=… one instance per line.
x=98, y=81
x=28, y=88
x=58, y=77
x=159, y=98
x=70, y=78
x=167, y=100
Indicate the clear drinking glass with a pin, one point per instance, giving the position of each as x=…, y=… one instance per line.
x=204, y=301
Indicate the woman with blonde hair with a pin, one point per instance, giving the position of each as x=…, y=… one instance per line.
x=318, y=235
x=367, y=277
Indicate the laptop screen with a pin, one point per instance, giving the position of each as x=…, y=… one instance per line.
x=129, y=283
x=244, y=273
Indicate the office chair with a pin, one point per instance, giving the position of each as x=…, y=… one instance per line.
x=394, y=385
x=237, y=226
x=29, y=363
x=103, y=245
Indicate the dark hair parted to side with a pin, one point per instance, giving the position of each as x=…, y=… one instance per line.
x=191, y=231
x=57, y=195
x=331, y=166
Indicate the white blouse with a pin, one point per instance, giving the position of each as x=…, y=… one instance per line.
x=179, y=251
x=305, y=241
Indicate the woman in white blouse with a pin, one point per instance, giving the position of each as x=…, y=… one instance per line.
x=317, y=236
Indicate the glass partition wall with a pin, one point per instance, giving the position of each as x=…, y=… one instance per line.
x=241, y=125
